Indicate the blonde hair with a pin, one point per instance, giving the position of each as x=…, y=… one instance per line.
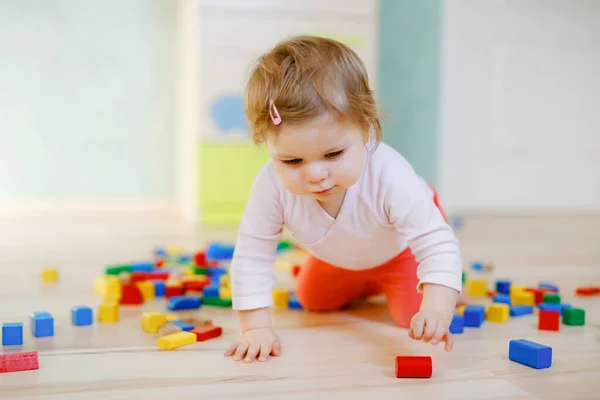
x=307, y=76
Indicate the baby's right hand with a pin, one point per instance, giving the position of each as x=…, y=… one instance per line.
x=260, y=342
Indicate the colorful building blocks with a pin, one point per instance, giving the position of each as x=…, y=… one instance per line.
x=503, y=286
x=573, y=316
x=549, y=320
x=152, y=321
x=12, y=334
x=414, y=367
x=516, y=311
x=184, y=326
x=551, y=298
x=108, y=311
x=281, y=298
x=529, y=353
x=184, y=303
x=175, y=340
x=41, y=323
x=503, y=298
x=476, y=287
x=523, y=299
x=216, y=302
x=538, y=294
x=474, y=315
x=457, y=325
x=81, y=316
x=207, y=332
x=49, y=274
x=15, y=362
x=131, y=295
x=498, y=312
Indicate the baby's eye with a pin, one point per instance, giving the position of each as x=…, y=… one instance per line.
x=334, y=154
x=295, y=161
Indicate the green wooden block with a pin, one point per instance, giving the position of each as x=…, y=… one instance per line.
x=117, y=269
x=551, y=298
x=216, y=301
x=201, y=271
x=285, y=245
x=464, y=276
x=573, y=316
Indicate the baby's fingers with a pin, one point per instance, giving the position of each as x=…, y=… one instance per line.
x=439, y=333
x=416, y=327
x=241, y=350
x=252, y=352
x=231, y=349
x=431, y=326
x=449, y=341
x=265, y=350
x=276, y=349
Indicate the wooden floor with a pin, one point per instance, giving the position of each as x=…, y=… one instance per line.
x=346, y=355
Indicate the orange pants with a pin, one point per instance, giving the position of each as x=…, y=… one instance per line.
x=326, y=287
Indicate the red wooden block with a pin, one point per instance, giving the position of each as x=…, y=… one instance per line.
x=549, y=320
x=413, y=367
x=195, y=286
x=200, y=259
x=171, y=291
x=131, y=295
x=157, y=276
x=587, y=291
x=138, y=276
x=295, y=270
x=14, y=362
x=538, y=294
x=207, y=332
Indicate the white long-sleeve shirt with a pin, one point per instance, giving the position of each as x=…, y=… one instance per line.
x=387, y=210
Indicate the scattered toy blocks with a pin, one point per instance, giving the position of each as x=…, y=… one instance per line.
x=41, y=323
x=414, y=367
x=457, y=325
x=15, y=362
x=81, y=316
x=476, y=287
x=280, y=298
x=152, y=321
x=216, y=302
x=207, y=332
x=498, y=312
x=12, y=334
x=551, y=298
x=49, y=275
x=503, y=298
x=516, y=311
x=184, y=326
x=108, y=311
x=474, y=315
x=175, y=340
x=523, y=299
x=529, y=353
x=184, y=303
x=573, y=317
x=503, y=286
x=549, y=320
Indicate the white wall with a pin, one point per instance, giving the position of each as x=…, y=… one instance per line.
x=520, y=124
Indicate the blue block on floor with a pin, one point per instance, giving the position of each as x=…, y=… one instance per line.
x=184, y=303
x=549, y=286
x=159, y=288
x=142, y=266
x=294, y=304
x=516, y=311
x=553, y=307
x=41, y=323
x=211, y=291
x=219, y=251
x=458, y=324
x=81, y=316
x=529, y=353
x=503, y=287
x=474, y=315
x=502, y=298
x=12, y=334
x=183, y=325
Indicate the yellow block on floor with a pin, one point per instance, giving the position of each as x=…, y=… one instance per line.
x=523, y=299
x=49, y=275
x=281, y=298
x=147, y=289
x=108, y=311
x=175, y=340
x=225, y=293
x=514, y=289
x=171, y=317
x=498, y=312
x=108, y=286
x=476, y=287
x=152, y=321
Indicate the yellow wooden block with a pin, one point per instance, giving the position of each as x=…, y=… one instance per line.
x=523, y=299
x=514, y=289
x=147, y=289
x=152, y=321
x=49, y=274
x=171, y=317
x=190, y=271
x=108, y=312
x=281, y=298
x=108, y=286
x=174, y=251
x=225, y=293
x=476, y=287
x=224, y=281
x=175, y=340
x=498, y=312
x=461, y=310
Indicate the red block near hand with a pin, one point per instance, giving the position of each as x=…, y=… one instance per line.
x=413, y=367
x=207, y=332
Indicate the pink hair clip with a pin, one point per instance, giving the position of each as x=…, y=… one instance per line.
x=276, y=118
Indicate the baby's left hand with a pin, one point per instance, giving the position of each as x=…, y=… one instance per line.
x=431, y=326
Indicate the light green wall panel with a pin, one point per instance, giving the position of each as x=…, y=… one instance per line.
x=409, y=64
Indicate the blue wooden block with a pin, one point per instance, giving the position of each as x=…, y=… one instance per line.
x=503, y=287
x=81, y=316
x=160, y=252
x=529, y=353
x=211, y=291
x=41, y=323
x=558, y=307
x=12, y=334
x=183, y=325
x=458, y=324
x=184, y=303
x=549, y=286
x=219, y=251
x=293, y=303
x=142, y=266
x=502, y=298
x=159, y=288
x=477, y=266
x=474, y=315
x=516, y=311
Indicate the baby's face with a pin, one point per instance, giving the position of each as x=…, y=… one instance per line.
x=320, y=158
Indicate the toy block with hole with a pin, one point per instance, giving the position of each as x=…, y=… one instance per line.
x=108, y=311
x=413, y=367
x=551, y=298
x=216, y=302
x=12, y=334
x=184, y=303
x=49, y=274
x=474, y=315
x=498, y=312
x=152, y=321
x=109, y=285
x=573, y=316
x=523, y=299
x=207, y=332
x=146, y=289
x=529, y=353
x=131, y=295
x=15, y=362
x=175, y=340
x=503, y=286
x=549, y=320
x=82, y=316
x=476, y=287
x=517, y=311
x=41, y=323
x=503, y=298
x=457, y=325
x=281, y=298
